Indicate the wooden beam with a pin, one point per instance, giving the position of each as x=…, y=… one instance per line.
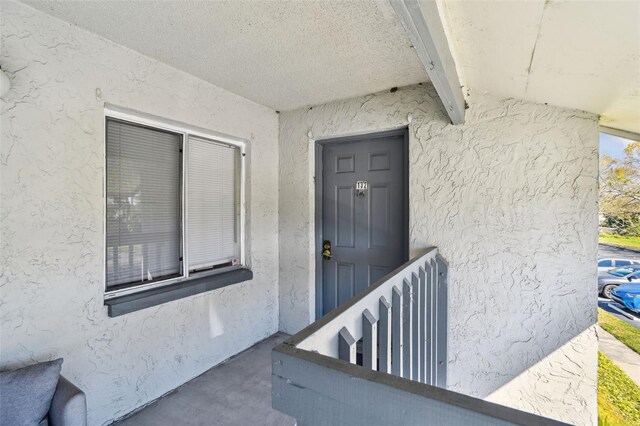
x=423, y=23
x=620, y=133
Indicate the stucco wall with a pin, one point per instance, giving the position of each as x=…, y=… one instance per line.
x=51, y=220
x=510, y=199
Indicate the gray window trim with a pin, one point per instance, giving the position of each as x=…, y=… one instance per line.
x=156, y=296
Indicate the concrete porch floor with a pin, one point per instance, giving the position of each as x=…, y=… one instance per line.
x=237, y=392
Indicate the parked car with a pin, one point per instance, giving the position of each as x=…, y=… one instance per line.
x=628, y=295
x=615, y=277
x=610, y=263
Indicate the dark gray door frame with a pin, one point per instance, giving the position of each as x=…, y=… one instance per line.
x=319, y=144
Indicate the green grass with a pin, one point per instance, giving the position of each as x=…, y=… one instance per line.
x=608, y=414
x=626, y=333
x=618, y=395
x=621, y=241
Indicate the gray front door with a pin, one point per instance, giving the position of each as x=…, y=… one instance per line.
x=366, y=229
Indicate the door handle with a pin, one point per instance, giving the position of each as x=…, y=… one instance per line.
x=326, y=250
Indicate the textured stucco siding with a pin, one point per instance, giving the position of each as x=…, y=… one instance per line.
x=510, y=199
x=51, y=220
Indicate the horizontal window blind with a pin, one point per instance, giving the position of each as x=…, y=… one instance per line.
x=212, y=219
x=143, y=204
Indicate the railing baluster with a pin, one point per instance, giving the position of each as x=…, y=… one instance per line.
x=423, y=325
x=434, y=325
x=441, y=331
x=369, y=340
x=396, y=332
x=429, y=324
x=346, y=346
x=407, y=313
x=415, y=331
x=384, y=335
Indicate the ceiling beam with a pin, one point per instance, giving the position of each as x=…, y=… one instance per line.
x=422, y=22
x=620, y=133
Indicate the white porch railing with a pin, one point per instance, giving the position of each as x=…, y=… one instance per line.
x=402, y=330
x=400, y=323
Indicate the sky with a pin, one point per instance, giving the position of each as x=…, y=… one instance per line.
x=613, y=146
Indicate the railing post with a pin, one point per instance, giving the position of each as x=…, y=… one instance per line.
x=396, y=332
x=429, y=324
x=407, y=313
x=346, y=346
x=384, y=335
x=423, y=325
x=369, y=340
x=441, y=331
x=415, y=330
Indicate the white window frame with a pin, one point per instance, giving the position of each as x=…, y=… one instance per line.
x=136, y=117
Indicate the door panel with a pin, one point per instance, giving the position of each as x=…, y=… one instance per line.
x=379, y=161
x=345, y=216
x=367, y=230
x=379, y=216
x=345, y=164
x=345, y=281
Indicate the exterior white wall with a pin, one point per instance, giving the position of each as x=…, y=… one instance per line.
x=51, y=220
x=510, y=199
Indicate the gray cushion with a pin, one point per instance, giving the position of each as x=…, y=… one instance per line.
x=27, y=392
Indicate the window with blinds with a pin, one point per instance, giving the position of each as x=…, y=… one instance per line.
x=212, y=204
x=172, y=204
x=143, y=204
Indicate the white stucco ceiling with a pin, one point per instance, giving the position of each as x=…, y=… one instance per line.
x=576, y=54
x=281, y=54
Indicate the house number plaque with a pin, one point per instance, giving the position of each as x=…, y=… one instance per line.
x=361, y=188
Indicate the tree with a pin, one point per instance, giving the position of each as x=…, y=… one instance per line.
x=620, y=190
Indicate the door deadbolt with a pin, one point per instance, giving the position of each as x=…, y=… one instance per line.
x=326, y=250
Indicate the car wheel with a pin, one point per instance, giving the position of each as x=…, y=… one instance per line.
x=606, y=291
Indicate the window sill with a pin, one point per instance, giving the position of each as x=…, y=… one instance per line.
x=156, y=296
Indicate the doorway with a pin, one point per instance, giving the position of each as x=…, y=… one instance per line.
x=362, y=211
